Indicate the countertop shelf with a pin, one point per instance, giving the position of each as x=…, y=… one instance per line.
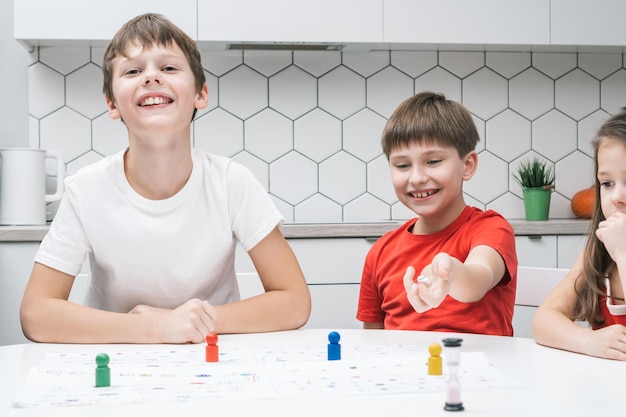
x=374, y=229
x=343, y=230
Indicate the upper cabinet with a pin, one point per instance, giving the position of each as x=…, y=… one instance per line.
x=588, y=22
x=70, y=22
x=334, y=24
x=467, y=22
x=288, y=21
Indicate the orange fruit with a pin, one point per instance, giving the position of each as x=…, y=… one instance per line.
x=583, y=203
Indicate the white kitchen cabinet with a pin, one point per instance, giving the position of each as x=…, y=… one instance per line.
x=70, y=22
x=588, y=22
x=359, y=24
x=569, y=247
x=332, y=268
x=467, y=22
x=549, y=251
x=537, y=251
x=276, y=21
x=16, y=263
x=334, y=306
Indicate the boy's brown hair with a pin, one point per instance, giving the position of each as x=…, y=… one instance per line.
x=429, y=117
x=147, y=30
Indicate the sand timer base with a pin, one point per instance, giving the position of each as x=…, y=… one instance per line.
x=454, y=407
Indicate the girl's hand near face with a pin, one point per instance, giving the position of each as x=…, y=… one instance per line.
x=611, y=232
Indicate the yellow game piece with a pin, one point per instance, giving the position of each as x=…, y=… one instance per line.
x=435, y=363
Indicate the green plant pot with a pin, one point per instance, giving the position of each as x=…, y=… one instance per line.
x=537, y=203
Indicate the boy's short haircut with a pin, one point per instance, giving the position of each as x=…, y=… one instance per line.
x=148, y=30
x=430, y=118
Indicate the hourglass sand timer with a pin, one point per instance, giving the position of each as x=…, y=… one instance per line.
x=452, y=347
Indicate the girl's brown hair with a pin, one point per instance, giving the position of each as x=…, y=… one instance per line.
x=590, y=284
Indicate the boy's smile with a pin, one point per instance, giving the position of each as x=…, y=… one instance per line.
x=422, y=194
x=428, y=178
x=151, y=100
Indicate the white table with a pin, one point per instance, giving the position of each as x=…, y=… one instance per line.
x=557, y=383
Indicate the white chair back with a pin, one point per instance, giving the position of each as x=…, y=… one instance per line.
x=534, y=284
x=249, y=284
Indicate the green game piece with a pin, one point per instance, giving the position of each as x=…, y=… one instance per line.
x=103, y=373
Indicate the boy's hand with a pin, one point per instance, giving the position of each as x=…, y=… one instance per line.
x=413, y=291
x=189, y=323
x=430, y=291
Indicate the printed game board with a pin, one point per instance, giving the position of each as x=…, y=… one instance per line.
x=182, y=375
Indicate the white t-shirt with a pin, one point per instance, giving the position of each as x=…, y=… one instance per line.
x=158, y=252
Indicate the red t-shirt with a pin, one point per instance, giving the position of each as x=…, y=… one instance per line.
x=383, y=297
x=609, y=318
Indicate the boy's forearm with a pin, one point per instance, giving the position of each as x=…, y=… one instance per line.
x=270, y=311
x=470, y=282
x=59, y=321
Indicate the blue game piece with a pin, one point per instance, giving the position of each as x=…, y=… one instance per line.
x=334, y=348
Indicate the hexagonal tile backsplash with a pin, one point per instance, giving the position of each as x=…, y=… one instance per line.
x=308, y=124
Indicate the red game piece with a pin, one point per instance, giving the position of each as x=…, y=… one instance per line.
x=211, y=348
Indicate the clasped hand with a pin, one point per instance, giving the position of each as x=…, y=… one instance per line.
x=611, y=232
x=188, y=323
x=429, y=292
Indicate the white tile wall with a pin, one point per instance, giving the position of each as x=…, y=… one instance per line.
x=308, y=124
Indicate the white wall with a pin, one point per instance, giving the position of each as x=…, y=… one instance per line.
x=13, y=83
x=308, y=123
x=302, y=120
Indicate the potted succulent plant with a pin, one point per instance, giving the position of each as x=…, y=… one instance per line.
x=536, y=178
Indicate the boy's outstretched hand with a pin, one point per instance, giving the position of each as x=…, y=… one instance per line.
x=189, y=323
x=432, y=285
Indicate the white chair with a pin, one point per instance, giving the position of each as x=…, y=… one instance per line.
x=249, y=284
x=533, y=285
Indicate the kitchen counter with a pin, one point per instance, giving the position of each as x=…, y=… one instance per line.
x=328, y=230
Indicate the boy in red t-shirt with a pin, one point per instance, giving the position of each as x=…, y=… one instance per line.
x=454, y=267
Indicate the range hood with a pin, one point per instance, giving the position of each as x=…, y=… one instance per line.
x=284, y=46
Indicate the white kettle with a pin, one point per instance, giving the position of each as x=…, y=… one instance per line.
x=23, y=195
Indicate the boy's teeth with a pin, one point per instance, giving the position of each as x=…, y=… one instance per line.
x=421, y=195
x=153, y=100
